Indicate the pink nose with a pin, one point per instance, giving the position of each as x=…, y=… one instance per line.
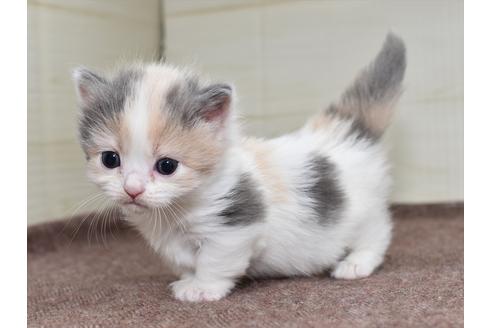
x=134, y=192
x=134, y=185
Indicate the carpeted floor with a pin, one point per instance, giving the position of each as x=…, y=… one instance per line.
x=122, y=284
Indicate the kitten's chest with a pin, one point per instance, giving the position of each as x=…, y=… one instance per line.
x=179, y=250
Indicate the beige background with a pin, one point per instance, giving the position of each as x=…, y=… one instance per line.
x=288, y=59
x=62, y=35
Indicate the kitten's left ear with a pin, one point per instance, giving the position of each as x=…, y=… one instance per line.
x=87, y=84
x=216, y=102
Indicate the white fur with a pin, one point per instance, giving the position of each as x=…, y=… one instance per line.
x=208, y=256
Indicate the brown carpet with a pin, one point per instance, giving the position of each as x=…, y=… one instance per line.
x=122, y=284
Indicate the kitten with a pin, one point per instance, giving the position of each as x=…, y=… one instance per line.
x=216, y=206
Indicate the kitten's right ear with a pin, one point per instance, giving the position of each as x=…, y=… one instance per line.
x=87, y=84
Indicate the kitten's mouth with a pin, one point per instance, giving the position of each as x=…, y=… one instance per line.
x=134, y=204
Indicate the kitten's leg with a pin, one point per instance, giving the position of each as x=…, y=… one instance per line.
x=368, y=249
x=219, y=264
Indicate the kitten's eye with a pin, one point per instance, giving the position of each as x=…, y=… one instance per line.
x=110, y=159
x=166, y=166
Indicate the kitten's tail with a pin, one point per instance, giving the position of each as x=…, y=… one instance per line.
x=368, y=103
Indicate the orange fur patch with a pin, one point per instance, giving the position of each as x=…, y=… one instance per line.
x=321, y=122
x=276, y=187
x=196, y=147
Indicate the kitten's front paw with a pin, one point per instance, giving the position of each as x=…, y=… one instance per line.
x=194, y=290
x=347, y=269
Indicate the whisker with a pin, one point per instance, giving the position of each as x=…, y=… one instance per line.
x=85, y=201
x=155, y=223
x=180, y=209
x=112, y=220
x=158, y=218
x=73, y=217
x=82, y=222
x=74, y=234
x=159, y=212
x=176, y=218
x=109, y=220
x=163, y=213
x=104, y=226
x=169, y=217
x=95, y=221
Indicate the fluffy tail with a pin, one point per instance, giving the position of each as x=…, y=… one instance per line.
x=368, y=103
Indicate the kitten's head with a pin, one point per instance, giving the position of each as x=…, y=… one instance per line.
x=152, y=134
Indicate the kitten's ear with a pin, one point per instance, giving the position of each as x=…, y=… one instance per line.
x=216, y=101
x=87, y=84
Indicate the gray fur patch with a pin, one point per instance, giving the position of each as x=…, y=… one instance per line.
x=325, y=193
x=245, y=204
x=382, y=79
x=104, y=100
x=361, y=131
x=189, y=103
x=376, y=87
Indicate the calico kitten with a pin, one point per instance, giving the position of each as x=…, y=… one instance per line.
x=216, y=206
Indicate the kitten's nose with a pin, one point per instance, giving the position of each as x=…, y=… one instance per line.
x=133, y=186
x=133, y=193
